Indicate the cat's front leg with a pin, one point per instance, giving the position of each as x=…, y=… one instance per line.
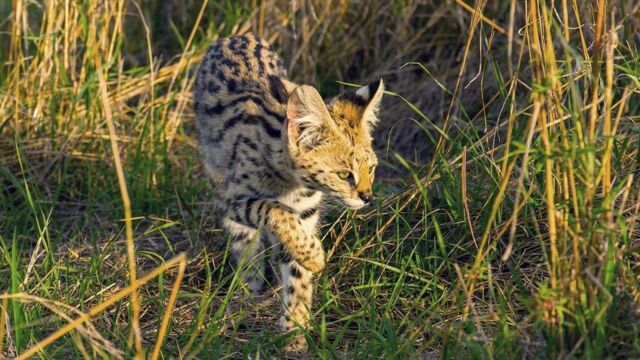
x=285, y=224
x=297, y=289
x=305, y=248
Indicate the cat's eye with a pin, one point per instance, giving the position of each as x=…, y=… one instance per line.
x=344, y=175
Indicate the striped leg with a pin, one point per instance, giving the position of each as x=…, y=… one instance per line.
x=248, y=255
x=296, y=296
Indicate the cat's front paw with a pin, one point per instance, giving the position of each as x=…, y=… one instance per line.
x=296, y=346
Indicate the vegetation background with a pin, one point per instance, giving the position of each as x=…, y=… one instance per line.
x=508, y=200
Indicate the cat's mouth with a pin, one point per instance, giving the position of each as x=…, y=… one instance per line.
x=348, y=202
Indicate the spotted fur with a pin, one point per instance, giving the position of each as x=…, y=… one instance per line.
x=274, y=149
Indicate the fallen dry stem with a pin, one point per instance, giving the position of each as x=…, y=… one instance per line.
x=181, y=260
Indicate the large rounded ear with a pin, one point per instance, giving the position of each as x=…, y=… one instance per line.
x=306, y=116
x=371, y=96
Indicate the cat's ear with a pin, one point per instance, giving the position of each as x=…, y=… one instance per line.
x=306, y=116
x=371, y=96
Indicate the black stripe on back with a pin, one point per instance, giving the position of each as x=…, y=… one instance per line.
x=248, y=120
x=276, y=86
x=220, y=107
x=241, y=139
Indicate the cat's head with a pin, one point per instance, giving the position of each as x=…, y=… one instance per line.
x=330, y=144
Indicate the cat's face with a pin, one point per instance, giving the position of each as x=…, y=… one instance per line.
x=330, y=145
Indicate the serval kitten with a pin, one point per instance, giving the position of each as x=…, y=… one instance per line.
x=274, y=149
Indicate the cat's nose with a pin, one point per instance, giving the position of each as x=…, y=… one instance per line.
x=366, y=196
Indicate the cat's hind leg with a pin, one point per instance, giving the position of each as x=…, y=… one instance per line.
x=248, y=253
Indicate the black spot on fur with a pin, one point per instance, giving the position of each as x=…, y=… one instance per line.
x=233, y=43
x=308, y=193
x=285, y=257
x=255, y=162
x=295, y=272
x=219, y=74
x=229, y=63
x=232, y=85
x=217, y=109
x=212, y=87
x=216, y=55
x=308, y=213
x=257, y=53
